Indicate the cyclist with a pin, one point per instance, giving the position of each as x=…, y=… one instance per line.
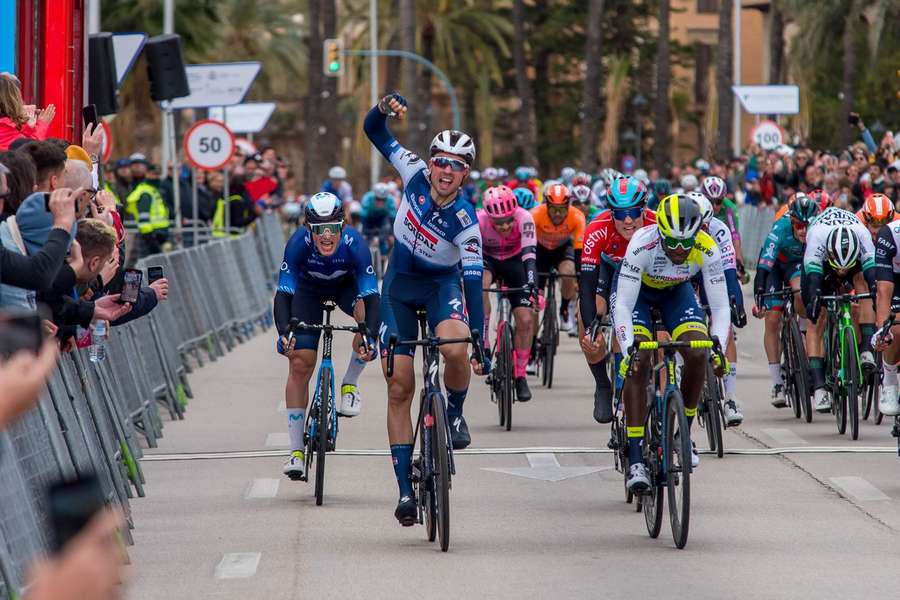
x=582, y=200
x=566, y=175
x=377, y=217
x=689, y=183
x=490, y=177
x=779, y=265
x=507, y=231
x=525, y=198
x=325, y=260
x=839, y=253
x=726, y=211
x=338, y=185
x=659, y=263
x=722, y=235
x=524, y=178
x=560, y=234
x=876, y=212
x=605, y=241
x=437, y=246
x=661, y=189
x=887, y=262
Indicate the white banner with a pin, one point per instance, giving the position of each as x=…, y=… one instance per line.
x=244, y=118
x=220, y=84
x=769, y=99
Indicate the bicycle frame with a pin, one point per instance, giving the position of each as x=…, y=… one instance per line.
x=840, y=316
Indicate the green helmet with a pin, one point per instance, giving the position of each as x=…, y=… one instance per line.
x=804, y=208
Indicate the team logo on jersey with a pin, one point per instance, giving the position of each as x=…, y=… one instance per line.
x=421, y=234
x=284, y=266
x=455, y=303
x=464, y=217
x=472, y=245
x=421, y=200
x=528, y=227
x=370, y=270
x=410, y=157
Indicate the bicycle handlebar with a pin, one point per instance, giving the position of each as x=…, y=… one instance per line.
x=557, y=274
x=782, y=293
x=697, y=344
x=847, y=297
x=296, y=324
x=509, y=290
x=433, y=342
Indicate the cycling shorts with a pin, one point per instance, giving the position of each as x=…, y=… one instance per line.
x=310, y=301
x=510, y=273
x=833, y=284
x=549, y=259
x=677, y=305
x=402, y=295
x=780, y=277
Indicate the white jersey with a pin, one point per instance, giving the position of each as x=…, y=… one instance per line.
x=720, y=232
x=816, y=237
x=646, y=263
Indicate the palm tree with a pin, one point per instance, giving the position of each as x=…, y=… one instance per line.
x=527, y=134
x=616, y=94
x=312, y=167
x=662, y=141
x=724, y=80
x=590, y=101
x=776, y=44
x=410, y=71
x=848, y=79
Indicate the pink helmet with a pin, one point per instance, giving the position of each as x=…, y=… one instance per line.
x=499, y=202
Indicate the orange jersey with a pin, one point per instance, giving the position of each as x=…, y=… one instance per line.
x=552, y=236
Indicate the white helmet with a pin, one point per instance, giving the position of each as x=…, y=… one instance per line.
x=842, y=247
x=490, y=174
x=475, y=175
x=392, y=187
x=689, y=182
x=641, y=175
x=454, y=142
x=714, y=187
x=567, y=174
x=502, y=173
x=381, y=190
x=581, y=194
x=337, y=172
x=324, y=207
x=705, y=206
x=609, y=175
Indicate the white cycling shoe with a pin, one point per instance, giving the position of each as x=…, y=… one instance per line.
x=823, y=400
x=295, y=466
x=350, y=400
x=638, y=480
x=889, y=403
x=733, y=414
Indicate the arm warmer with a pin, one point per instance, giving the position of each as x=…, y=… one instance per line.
x=371, y=304
x=282, y=311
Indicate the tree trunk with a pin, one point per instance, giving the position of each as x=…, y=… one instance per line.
x=313, y=172
x=526, y=137
x=541, y=61
x=329, y=142
x=848, y=81
x=410, y=74
x=724, y=81
x=590, y=96
x=662, y=140
x=428, y=107
x=776, y=45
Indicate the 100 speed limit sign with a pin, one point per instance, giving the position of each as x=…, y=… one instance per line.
x=768, y=135
x=209, y=144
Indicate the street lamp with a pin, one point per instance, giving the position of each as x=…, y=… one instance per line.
x=639, y=103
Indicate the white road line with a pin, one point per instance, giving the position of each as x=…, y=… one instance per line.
x=263, y=488
x=784, y=436
x=238, y=565
x=542, y=460
x=278, y=440
x=859, y=488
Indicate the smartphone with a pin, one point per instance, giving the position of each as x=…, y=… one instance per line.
x=132, y=286
x=72, y=505
x=154, y=274
x=20, y=329
x=89, y=113
x=853, y=119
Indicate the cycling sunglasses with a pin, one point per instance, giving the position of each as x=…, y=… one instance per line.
x=323, y=228
x=878, y=222
x=620, y=214
x=456, y=165
x=502, y=222
x=797, y=224
x=676, y=244
x=558, y=208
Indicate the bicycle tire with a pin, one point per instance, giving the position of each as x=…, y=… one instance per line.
x=322, y=433
x=651, y=501
x=426, y=486
x=678, y=479
x=869, y=385
x=852, y=383
x=792, y=390
x=441, y=473
x=508, y=374
x=713, y=415
x=496, y=383
x=547, y=340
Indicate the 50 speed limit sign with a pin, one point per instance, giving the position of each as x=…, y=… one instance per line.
x=209, y=144
x=768, y=135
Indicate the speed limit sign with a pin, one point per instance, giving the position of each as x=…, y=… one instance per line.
x=209, y=144
x=768, y=135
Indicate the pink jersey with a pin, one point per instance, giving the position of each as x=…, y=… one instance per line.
x=520, y=240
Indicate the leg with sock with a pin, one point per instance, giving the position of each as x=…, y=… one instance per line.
x=351, y=400
x=602, y=392
x=520, y=363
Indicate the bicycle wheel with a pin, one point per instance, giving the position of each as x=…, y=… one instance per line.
x=547, y=340
x=677, y=462
x=322, y=432
x=651, y=501
x=507, y=374
x=496, y=378
x=853, y=379
x=426, y=484
x=712, y=412
x=441, y=475
x=789, y=368
x=801, y=372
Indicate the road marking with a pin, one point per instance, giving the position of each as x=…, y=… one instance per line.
x=278, y=440
x=784, y=436
x=229, y=454
x=282, y=406
x=263, y=488
x=544, y=467
x=238, y=565
x=859, y=488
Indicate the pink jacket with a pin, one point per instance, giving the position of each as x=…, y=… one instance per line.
x=10, y=133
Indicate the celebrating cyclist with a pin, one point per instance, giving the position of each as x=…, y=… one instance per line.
x=507, y=232
x=779, y=265
x=887, y=263
x=656, y=273
x=605, y=241
x=324, y=261
x=839, y=253
x=437, y=245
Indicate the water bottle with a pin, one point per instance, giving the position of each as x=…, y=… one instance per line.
x=98, y=341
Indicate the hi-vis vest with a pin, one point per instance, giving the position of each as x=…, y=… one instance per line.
x=157, y=218
x=218, y=220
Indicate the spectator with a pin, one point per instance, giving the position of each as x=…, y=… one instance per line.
x=20, y=181
x=121, y=184
x=18, y=120
x=146, y=207
x=49, y=160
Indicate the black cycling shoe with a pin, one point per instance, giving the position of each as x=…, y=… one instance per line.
x=407, y=511
x=459, y=433
x=523, y=393
x=603, y=404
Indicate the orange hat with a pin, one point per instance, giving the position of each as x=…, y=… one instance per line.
x=74, y=152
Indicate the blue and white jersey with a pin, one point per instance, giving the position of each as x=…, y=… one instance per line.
x=303, y=265
x=430, y=240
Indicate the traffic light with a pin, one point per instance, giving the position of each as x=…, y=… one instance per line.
x=332, y=57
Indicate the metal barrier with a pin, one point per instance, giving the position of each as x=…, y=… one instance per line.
x=95, y=417
x=754, y=225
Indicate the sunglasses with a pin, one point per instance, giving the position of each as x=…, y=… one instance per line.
x=878, y=222
x=558, y=208
x=798, y=224
x=323, y=228
x=620, y=214
x=456, y=165
x=503, y=222
x=675, y=244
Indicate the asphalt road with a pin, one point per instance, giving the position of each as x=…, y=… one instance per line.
x=806, y=523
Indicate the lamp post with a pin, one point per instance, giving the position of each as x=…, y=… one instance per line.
x=639, y=103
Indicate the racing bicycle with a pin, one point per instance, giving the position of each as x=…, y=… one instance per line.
x=502, y=378
x=548, y=339
x=794, y=363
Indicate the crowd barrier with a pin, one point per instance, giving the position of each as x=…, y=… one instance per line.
x=96, y=417
x=754, y=225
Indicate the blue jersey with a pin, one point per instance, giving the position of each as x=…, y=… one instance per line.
x=303, y=265
x=372, y=215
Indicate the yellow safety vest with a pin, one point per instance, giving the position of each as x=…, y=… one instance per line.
x=109, y=188
x=218, y=220
x=157, y=218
